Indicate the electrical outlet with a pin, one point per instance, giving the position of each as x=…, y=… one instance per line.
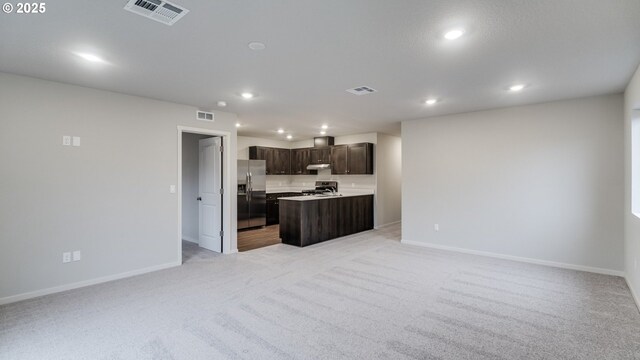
x=76, y=255
x=172, y=189
x=66, y=257
x=436, y=227
x=66, y=140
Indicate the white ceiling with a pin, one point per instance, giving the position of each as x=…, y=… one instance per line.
x=318, y=49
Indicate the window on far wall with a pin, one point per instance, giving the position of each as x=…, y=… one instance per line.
x=635, y=162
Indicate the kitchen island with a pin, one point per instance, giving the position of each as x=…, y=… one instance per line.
x=307, y=220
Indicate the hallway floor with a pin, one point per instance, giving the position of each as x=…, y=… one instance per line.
x=257, y=238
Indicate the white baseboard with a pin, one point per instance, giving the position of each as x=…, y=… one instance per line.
x=234, y=251
x=517, y=258
x=387, y=224
x=76, y=285
x=190, y=239
x=633, y=293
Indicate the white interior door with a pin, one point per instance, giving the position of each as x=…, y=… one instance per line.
x=210, y=204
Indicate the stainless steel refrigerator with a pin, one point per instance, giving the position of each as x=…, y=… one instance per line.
x=252, y=189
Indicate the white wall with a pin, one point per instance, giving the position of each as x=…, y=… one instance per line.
x=340, y=140
x=388, y=179
x=244, y=142
x=191, y=186
x=357, y=138
x=543, y=181
x=108, y=198
x=632, y=222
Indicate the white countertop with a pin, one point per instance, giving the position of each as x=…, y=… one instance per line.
x=327, y=197
x=345, y=191
x=284, y=190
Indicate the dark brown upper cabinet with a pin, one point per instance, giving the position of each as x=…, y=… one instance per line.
x=320, y=155
x=352, y=159
x=300, y=159
x=339, y=159
x=282, y=161
x=278, y=161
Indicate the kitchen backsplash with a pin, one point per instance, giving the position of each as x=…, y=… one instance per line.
x=300, y=182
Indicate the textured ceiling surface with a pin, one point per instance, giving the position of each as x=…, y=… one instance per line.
x=315, y=50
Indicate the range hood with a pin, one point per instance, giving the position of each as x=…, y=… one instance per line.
x=321, y=142
x=318, y=166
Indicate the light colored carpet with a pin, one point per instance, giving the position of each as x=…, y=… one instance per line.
x=362, y=297
x=191, y=252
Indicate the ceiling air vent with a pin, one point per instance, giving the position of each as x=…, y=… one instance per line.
x=205, y=116
x=158, y=10
x=362, y=90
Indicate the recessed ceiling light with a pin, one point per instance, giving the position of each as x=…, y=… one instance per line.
x=257, y=46
x=453, y=34
x=247, y=95
x=325, y=127
x=431, y=101
x=90, y=57
x=280, y=131
x=517, y=87
x=289, y=137
x=323, y=132
x=238, y=125
x=222, y=103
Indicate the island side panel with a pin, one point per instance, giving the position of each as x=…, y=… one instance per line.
x=291, y=222
x=362, y=213
x=319, y=221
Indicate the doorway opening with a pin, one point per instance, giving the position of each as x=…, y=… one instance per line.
x=204, y=206
x=257, y=227
x=635, y=162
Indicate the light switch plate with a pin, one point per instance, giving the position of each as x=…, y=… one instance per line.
x=172, y=189
x=66, y=140
x=76, y=141
x=66, y=257
x=76, y=255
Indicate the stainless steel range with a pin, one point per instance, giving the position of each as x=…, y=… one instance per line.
x=323, y=187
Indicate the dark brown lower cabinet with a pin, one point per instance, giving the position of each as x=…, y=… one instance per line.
x=273, y=212
x=306, y=222
x=273, y=206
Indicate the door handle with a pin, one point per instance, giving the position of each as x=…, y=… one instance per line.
x=248, y=190
x=199, y=198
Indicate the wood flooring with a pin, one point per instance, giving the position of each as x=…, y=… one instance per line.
x=256, y=238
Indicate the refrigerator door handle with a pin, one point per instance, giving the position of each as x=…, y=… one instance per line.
x=248, y=190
